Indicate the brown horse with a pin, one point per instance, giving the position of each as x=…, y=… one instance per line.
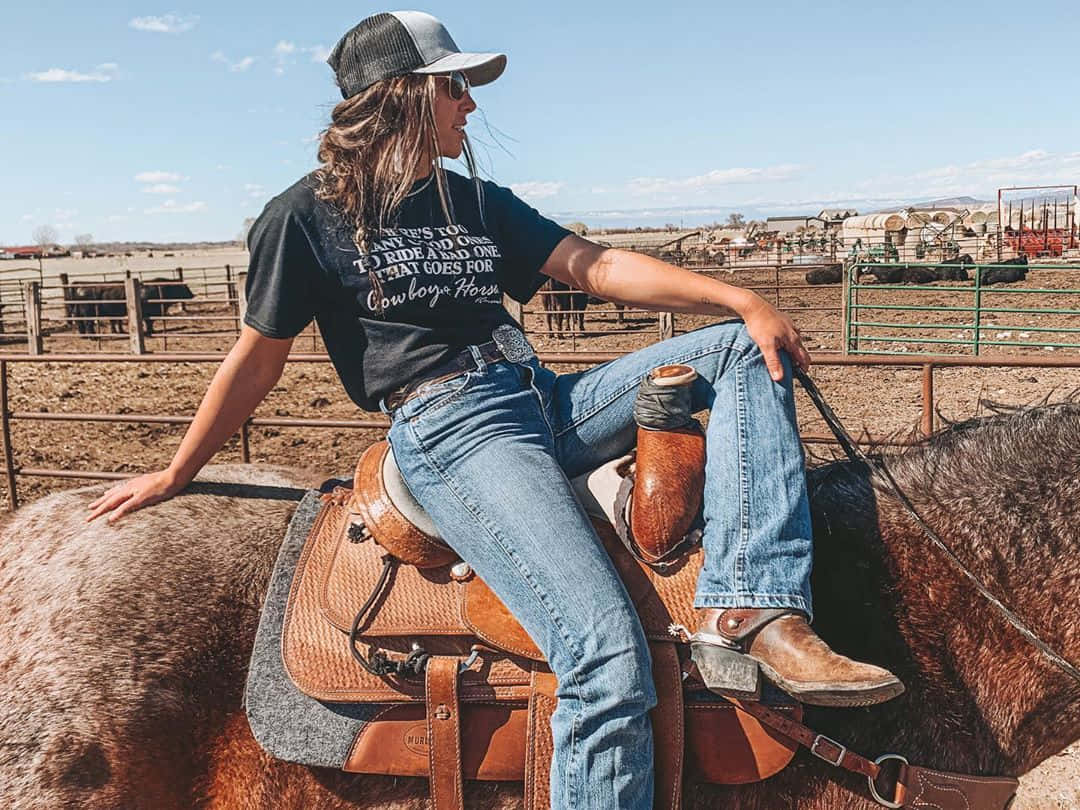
x=123, y=649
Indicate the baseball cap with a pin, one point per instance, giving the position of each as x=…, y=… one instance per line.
x=398, y=42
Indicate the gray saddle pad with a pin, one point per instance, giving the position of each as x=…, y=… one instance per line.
x=288, y=724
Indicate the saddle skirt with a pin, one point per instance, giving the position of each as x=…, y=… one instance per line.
x=505, y=691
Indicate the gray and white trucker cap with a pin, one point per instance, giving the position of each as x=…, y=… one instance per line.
x=399, y=42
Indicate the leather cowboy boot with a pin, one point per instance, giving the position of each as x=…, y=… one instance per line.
x=730, y=645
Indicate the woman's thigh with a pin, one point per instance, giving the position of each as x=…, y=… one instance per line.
x=592, y=411
x=479, y=458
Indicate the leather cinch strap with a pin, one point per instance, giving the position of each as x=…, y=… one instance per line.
x=444, y=733
x=669, y=737
x=915, y=786
x=539, y=743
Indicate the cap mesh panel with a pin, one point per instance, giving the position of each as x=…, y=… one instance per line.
x=378, y=47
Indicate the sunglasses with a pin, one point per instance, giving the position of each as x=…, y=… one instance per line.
x=459, y=84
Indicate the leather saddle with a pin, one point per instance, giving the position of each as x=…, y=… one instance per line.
x=382, y=611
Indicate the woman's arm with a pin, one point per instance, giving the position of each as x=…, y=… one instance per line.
x=250, y=369
x=641, y=281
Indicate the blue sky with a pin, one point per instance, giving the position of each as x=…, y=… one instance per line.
x=175, y=122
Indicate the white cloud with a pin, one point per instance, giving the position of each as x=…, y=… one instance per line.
x=173, y=207
x=165, y=24
x=235, y=67
x=283, y=55
x=27, y=217
x=980, y=178
x=161, y=188
x=254, y=190
x=536, y=189
x=713, y=179
x=157, y=177
x=319, y=53
x=103, y=73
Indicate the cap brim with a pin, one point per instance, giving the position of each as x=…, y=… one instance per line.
x=481, y=68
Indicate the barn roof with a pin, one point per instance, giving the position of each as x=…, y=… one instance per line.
x=641, y=240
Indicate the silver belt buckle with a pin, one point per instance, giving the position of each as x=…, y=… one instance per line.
x=512, y=343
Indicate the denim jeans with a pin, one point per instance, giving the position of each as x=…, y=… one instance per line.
x=488, y=454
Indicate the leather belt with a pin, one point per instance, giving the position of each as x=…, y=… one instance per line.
x=458, y=364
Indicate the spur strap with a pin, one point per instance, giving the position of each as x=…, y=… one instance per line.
x=914, y=786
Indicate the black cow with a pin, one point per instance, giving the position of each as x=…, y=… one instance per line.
x=90, y=303
x=564, y=308
x=831, y=274
x=954, y=269
x=1005, y=275
x=901, y=274
x=156, y=296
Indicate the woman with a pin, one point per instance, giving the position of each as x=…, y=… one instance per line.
x=404, y=266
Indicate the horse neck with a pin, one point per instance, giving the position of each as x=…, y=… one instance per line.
x=980, y=698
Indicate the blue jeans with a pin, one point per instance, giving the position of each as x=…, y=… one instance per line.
x=488, y=454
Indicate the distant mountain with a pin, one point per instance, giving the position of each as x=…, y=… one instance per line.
x=943, y=202
x=952, y=202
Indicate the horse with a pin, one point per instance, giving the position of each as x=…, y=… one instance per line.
x=125, y=646
x=564, y=308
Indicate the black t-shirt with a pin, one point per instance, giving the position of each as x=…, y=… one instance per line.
x=442, y=284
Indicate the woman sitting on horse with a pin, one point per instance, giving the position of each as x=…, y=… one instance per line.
x=404, y=266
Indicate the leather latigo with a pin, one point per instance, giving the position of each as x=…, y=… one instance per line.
x=448, y=617
x=669, y=482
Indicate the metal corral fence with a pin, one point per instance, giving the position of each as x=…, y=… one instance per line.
x=12, y=470
x=202, y=308
x=966, y=317
x=573, y=321
x=186, y=309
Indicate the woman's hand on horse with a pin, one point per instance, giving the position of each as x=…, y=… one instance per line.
x=772, y=331
x=135, y=493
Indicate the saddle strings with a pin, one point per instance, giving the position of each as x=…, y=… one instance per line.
x=380, y=663
x=881, y=469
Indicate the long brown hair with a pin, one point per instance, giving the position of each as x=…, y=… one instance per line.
x=374, y=141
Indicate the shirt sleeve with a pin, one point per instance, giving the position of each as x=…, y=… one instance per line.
x=282, y=270
x=526, y=239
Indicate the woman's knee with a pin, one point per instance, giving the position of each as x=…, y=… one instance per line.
x=613, y=674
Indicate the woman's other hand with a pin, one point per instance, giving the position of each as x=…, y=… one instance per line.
x=772, y=331
x=135, y=493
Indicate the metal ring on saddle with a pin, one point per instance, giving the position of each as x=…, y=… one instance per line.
x=873, y=787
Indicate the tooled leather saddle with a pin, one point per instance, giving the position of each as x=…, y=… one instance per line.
x=382, y=611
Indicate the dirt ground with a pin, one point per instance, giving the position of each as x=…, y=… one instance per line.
x=879, y=402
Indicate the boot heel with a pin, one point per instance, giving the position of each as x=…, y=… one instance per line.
x=727, y=672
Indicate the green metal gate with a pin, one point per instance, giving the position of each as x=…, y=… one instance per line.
x=1041, y=313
